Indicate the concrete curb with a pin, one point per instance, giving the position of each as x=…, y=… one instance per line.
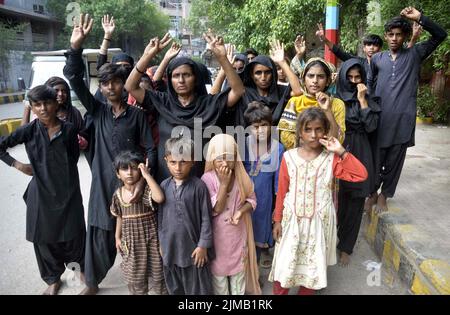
x=13, y=98
x=399, y=245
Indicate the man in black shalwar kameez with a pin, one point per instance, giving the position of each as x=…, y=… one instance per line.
x=118, y=127
x=394, y=77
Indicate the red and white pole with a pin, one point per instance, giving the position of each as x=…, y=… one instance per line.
x=332, y=28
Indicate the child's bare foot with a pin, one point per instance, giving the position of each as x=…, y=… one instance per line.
x=89, y=291
x=370, y=202
x=53, y=288
x=381, y=204
x=344, y=260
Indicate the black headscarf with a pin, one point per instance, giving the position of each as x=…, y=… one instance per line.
x=124, y=58
x=278, y=95
x=177, y=114
x=347, y=90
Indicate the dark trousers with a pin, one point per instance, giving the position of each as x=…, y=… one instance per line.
x=349, y=216
x=52, y=258
x=100, y=254
x=189, y=280
x=389, y=167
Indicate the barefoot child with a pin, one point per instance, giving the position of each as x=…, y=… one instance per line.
x=55, y=216
x=184, y=224
x=305, y=219
x=235, y=270
x=136, y=230
x=263, y=156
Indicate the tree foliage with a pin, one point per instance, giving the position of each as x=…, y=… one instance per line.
x=253, y=23
x=136, y=20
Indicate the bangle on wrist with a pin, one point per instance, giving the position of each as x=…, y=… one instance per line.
x=137, y=69
x=342, y=154
x=107, y=39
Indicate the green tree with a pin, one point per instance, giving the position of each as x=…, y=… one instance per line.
x=8, y=43
x=136, y=22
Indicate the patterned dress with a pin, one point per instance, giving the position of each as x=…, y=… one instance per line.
x=141, y=260
x=308, y=242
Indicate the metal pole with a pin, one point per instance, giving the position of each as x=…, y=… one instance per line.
x=332, y=28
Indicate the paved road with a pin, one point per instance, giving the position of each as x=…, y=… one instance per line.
x=12, y=110
x=19, y=273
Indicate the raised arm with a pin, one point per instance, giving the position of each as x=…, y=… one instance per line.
x=237, y=87
x=74, y=68
x=153, y=48
x=438, y=34
x=341, y=54
x=277, y=55
x=218, y=82
x=108, y=27
x=170, y=54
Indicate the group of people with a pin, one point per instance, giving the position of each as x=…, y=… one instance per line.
x=313, y=159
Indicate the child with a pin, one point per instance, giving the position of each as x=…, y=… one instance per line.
x=55, y=215
x=136, y=230
x=316, y=79
x=184, y=224
x=305, y=219
x=117, y=127
x=233, y=199
x=262, y=160
x=361, y=119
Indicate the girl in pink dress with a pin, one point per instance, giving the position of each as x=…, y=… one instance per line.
x=234, y=269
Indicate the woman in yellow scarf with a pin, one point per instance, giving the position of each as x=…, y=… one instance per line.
x=315, y=79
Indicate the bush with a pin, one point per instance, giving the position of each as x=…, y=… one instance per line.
x=428, y=105
x=426, y=102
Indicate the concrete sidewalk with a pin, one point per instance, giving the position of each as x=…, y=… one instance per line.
x=413, y=238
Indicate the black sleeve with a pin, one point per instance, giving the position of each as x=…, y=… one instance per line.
x=19, y=136
x=74, y=72
x=370, y=115
x=341, y=54
x=101, y=60
x=73, y=147
x=438, y=34
x=160, y=86
x=372, y=75
x=146, y=140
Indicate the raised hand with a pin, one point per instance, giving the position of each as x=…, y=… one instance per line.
x=324, y=100
x=300, y=45
x=320, y=32
x=80, y=31
x=144, y=169
x=332, y=144
x=411, y=13
x=277, y=51
x=108, y=25
x=216, y=44
x=417, y=30
x=156, y=45
x=230, y=52
x=173, y=51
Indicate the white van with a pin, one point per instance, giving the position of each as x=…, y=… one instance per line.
x=48, y=64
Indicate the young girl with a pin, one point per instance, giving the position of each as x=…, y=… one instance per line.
x=136, y=230
x=233, y=200
x=305, y=219
x=316, y=78
x=263, y=154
